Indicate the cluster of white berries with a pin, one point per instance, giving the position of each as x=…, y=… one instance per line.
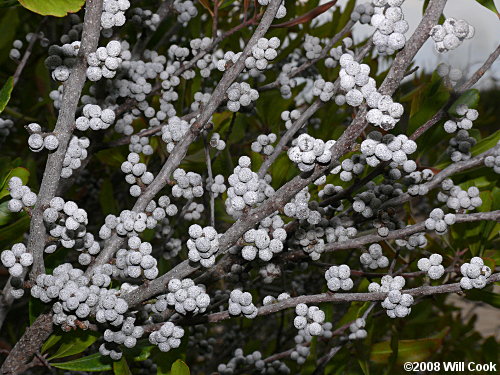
x=263, y=144
x=200, y=99
x=216, y=142
x=374, y=258
x=255, y=360
x=368, y=202
x=264, y=242
x=298, y=208
x=217, y=186
x=268, y=300
x=355, y=81
x=67, y=222
x=14, y=53
x=363, y=13
x=245, y=188
x=139, y=145
x=113, y=13
x=384, y=112
x=21, y=195
x=338, y=277
x=311, y=240
x=167, y=337
x=136, y=171
x=493, y=161
x=312, y=47
x=306, y=151
x=269, y=273
x=451, y=34
x=336, y=53
x=241, y=303
x=129, y=223
x=5, y=127
x=350, y=167
x=446, y=71
x=136, y=261
x=432, y=266
x=474, y=274
x=323, y=89
x=69, y=286
x=184, y=296
x=95, y=118
x=145, y=18
x=172, y=248
x=37, y=141
x=188, y=185
x=460, y=146
x=303, y=337
x=456, y=198
x=75, y=154
x=262, y=53
x=193, y=211
x=357, y=329
x=16, y=259
x=397, y=304
x=126, y=336
x=378, y=148
x=202, y=245
x=186, y=9
x=390, y=24
x=438, y=221
x=285, y=82
x=309, y=318
x=227, y=60
x=413, y=241
x=465, y=122
x=339, y=232
x=240, y=94
x=104, y=61
x=61, y=59
x=289, y=117
x=173, y=131
x=416, y=181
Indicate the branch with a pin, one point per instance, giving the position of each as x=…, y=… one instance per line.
x=63, y=130
x=336, y=298
x=180, y=150
x=307, y=64
x=284, y=194
x=27, y=345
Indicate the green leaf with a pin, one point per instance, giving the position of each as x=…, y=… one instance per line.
x=140, y=352
x=5, y=93
x=111, y=157
x=8, y=27
x=8, y=3
x=107, y=198
x=35, y=309
x=486, y=143
x=20, y=172
x=490, y=4
x=490, y=298
x=14, y=232
x=470, y=98
x=93, y=362
x=74, y=343
x=408, y=350
x=51, y=341
x=58, y=8
x=5, y=215
x=121, y=367
x=180, y=368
